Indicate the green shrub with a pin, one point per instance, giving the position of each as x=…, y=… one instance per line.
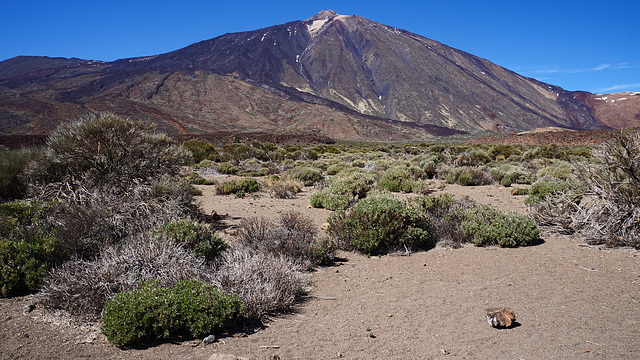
x=327, y=200
x=308, y=176
x=13, y=180
x=336, y=168
x=540, y=190
x=377, y=225
x=236, y=186
x=466, y=176
x=194, y=236
x=356, y=184
x=227, y=168
x=345, y=188
x=560, y=169
x=506, y=181
x=499, y=152
x=487, y=225
x=397, y=179
x=201, y=150
x=151, y=313
x=28, y=247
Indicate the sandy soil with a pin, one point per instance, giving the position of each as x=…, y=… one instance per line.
x=572, y=301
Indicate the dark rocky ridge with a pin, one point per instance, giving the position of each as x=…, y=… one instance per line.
x=332, y=75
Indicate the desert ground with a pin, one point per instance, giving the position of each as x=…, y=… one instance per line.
x=572, y=301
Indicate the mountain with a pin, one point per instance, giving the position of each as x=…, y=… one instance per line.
x=345, y=77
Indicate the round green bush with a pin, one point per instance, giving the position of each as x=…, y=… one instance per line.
x=150, y=312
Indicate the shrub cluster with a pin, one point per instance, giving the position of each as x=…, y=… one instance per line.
x=397, y=179
x=487, y=225
x=376, y=225
x=201, y=150
x=82, y=287
x=150, y=312
x=466, y=176
x=381, y=223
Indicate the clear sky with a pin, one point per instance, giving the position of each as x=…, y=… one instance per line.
x=578, y=45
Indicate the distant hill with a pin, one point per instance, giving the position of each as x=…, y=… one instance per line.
x=332, y=75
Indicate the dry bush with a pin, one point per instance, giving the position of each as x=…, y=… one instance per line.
x=282, y=188
x=107, y=150
x=293, y=235
x=607, y=210
x=82, y=287
x=90, y=219
x=266, y=282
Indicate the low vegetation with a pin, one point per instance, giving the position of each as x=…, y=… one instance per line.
x=102, y=223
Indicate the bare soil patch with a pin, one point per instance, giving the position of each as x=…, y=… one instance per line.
x=571, y=300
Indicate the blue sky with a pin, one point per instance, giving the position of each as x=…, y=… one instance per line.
x=578, y=45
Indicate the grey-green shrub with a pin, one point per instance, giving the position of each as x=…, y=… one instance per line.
x=227, y=168
x=308, y=175
x=150, y=312
x=560, y=169
x=397, y=179
x=540, y=190
x=487, y=225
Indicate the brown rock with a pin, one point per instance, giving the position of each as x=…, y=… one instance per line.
x=501, y=318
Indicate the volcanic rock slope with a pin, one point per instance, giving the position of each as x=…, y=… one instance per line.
x=341, y=76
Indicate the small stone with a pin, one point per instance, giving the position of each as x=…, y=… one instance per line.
x=209, y=339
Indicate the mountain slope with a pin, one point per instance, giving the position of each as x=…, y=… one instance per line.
x=340, y=76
